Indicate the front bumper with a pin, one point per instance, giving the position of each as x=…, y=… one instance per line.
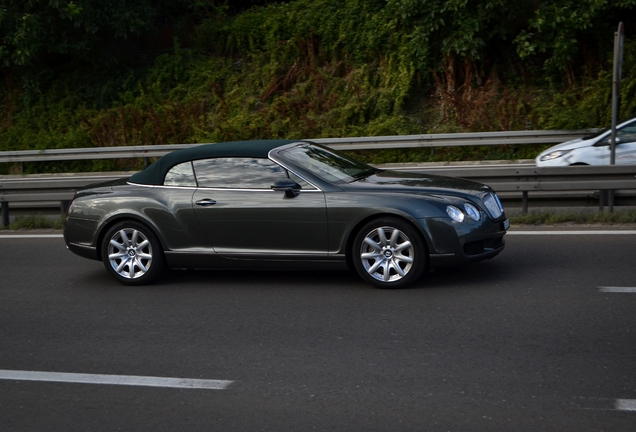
x=453, y=243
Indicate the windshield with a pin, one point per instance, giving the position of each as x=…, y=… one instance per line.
x=595, y=134
x=328, y=164
x=602, y=131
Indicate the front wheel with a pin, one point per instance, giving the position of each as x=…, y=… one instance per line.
x=389, y=253
x=132, y=253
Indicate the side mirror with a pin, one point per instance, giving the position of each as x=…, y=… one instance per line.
x=607, y=142
x=290, y=187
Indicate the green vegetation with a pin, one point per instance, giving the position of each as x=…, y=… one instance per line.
x=87, y=73
x=556, y=217
x=35, y=222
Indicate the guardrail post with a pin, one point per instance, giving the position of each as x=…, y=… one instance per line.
x=601, y=201
x=5, y=213
x=64, y=206
x=524, y=202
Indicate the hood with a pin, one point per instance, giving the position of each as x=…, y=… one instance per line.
x=399, y=181
x=569, y=145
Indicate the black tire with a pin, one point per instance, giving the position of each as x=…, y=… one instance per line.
x=389, y=253
x=132, y=253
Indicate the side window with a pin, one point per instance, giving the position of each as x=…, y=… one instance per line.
x=303, y=184
x=627, y=134
x=238, y=173
x=180, y=175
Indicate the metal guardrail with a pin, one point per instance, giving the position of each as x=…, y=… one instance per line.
x=512, y=181
x=454, y=139
x=547, y=179
x=47, y=188
x=353, y=143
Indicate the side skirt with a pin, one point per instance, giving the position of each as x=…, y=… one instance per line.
x=255, y=262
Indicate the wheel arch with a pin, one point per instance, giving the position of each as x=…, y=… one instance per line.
x=356, y=229
x=120, y=217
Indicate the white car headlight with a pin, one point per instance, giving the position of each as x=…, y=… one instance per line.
x=455, y=213
x=472, y=211
x=554, y=155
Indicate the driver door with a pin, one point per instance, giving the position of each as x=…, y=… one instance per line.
x=241, y=215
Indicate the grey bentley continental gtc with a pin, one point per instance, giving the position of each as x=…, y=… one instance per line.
x=282, y=205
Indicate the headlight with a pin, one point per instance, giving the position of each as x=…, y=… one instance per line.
x=472, y=211
x=554, y=155
x=455, y=213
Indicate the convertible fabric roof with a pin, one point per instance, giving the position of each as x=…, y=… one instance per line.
x=155, y=173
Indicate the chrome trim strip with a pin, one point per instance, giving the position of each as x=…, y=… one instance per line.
x=176, y=187
x=444, y=255
x=294, y=172
x=139, y=184
x=251, y=190
x=218, y=189
x=269, y=253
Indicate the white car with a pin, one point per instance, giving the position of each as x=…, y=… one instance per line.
x=594, y=149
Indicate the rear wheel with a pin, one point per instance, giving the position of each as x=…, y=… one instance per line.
x=389, y=253
x=132, y=253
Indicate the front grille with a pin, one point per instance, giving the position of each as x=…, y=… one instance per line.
x=493, y=205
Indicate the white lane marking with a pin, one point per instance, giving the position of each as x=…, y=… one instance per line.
x=609, y=289
x=606, y=404
x=625, y=405
x=615, y=232
x=129, y=380
x=30, y=236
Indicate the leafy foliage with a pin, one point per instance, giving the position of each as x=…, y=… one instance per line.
x=588, y=104
x=303, y=69
x=33, y=29
x=560, y=29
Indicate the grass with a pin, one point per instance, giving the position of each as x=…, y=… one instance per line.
x=36, y=222
x=532, y=218
x=556, y=217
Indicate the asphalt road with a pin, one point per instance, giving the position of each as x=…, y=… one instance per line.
x=528, y=341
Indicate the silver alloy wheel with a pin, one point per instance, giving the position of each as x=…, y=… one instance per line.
x=387, y=254
x=130, y=253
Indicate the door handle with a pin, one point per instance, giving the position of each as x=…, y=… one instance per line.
x=205, y=202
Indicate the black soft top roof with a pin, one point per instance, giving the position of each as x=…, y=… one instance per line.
x=155, y=173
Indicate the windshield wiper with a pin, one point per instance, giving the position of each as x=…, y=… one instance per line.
x=365, y=174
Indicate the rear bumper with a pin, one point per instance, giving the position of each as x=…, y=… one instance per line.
x=83, y=251
x=78, y=236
